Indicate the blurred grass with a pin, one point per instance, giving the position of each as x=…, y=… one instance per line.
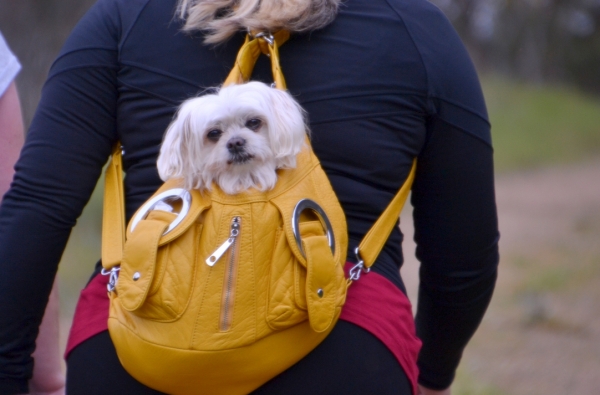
x=536, y=125
x=466, y=383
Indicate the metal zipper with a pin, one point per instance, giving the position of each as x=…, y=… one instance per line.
x=233, y=234
x=229, y=245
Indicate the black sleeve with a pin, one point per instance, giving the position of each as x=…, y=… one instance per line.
x=457, y=235
x=69, y=141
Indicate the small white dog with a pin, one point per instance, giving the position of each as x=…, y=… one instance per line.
x=236, y=138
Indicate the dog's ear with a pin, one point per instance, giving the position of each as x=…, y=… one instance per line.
x=174, y=159
x=289, y=130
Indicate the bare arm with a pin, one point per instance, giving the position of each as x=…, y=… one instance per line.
x=48, y=378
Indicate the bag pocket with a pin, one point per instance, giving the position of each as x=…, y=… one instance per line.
x=283, y=311
x=156, y=282
x=287, y=304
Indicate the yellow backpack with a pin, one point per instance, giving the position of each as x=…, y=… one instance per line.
x=230, y=290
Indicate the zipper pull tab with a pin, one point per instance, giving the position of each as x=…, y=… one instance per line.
x=235, y=231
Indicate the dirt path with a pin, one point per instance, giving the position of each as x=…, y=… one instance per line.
x=541, y=334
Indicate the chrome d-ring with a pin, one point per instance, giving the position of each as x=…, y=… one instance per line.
x=169, y=195
x=307, y=204
x=267, y=36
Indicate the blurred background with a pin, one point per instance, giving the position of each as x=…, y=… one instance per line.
x=539, y=62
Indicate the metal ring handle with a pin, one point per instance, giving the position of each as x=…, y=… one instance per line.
x=267, y=36
x=308, y=204
x=169, y=195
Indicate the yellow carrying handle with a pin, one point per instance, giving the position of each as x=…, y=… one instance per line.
x=249, y=53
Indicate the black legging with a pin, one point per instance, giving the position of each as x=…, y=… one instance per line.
x=349, y=361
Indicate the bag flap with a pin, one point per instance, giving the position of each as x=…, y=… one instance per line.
x=321, y=283
x=139, y=259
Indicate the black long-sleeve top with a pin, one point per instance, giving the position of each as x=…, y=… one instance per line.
x=387, y=81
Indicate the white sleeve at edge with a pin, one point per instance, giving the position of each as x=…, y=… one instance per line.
x=9, y=66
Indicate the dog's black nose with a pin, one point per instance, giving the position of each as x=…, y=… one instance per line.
x=236, y=144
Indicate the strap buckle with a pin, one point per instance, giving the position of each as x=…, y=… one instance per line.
x=359, y=268
x=267, y=36
x=112, y=280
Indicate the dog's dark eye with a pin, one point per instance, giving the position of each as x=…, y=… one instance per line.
x=253, y=124
x=214, y=135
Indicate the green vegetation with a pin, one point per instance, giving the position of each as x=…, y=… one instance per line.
x=538, y=125
x=467, y=384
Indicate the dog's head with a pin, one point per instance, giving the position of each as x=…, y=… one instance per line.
x=236, y=137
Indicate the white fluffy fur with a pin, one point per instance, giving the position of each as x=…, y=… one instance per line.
x=188, y=153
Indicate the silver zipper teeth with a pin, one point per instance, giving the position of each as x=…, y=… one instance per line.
x=234, y=225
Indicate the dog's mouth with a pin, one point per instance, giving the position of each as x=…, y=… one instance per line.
x=239, y=158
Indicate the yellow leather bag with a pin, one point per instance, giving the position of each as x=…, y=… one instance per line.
x=224, y=292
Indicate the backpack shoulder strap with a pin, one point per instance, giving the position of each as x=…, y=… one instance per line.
x=113, y=216
x=371, y=245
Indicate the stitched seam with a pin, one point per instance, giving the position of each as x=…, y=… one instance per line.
x=148, y=93
x=410, y=34
x=366, y=94
x=462, y=107
x=467, y=132
x=125, y=35
x=361, y=116
x=159, y=72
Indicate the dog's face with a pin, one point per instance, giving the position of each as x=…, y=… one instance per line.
x=236, y=137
